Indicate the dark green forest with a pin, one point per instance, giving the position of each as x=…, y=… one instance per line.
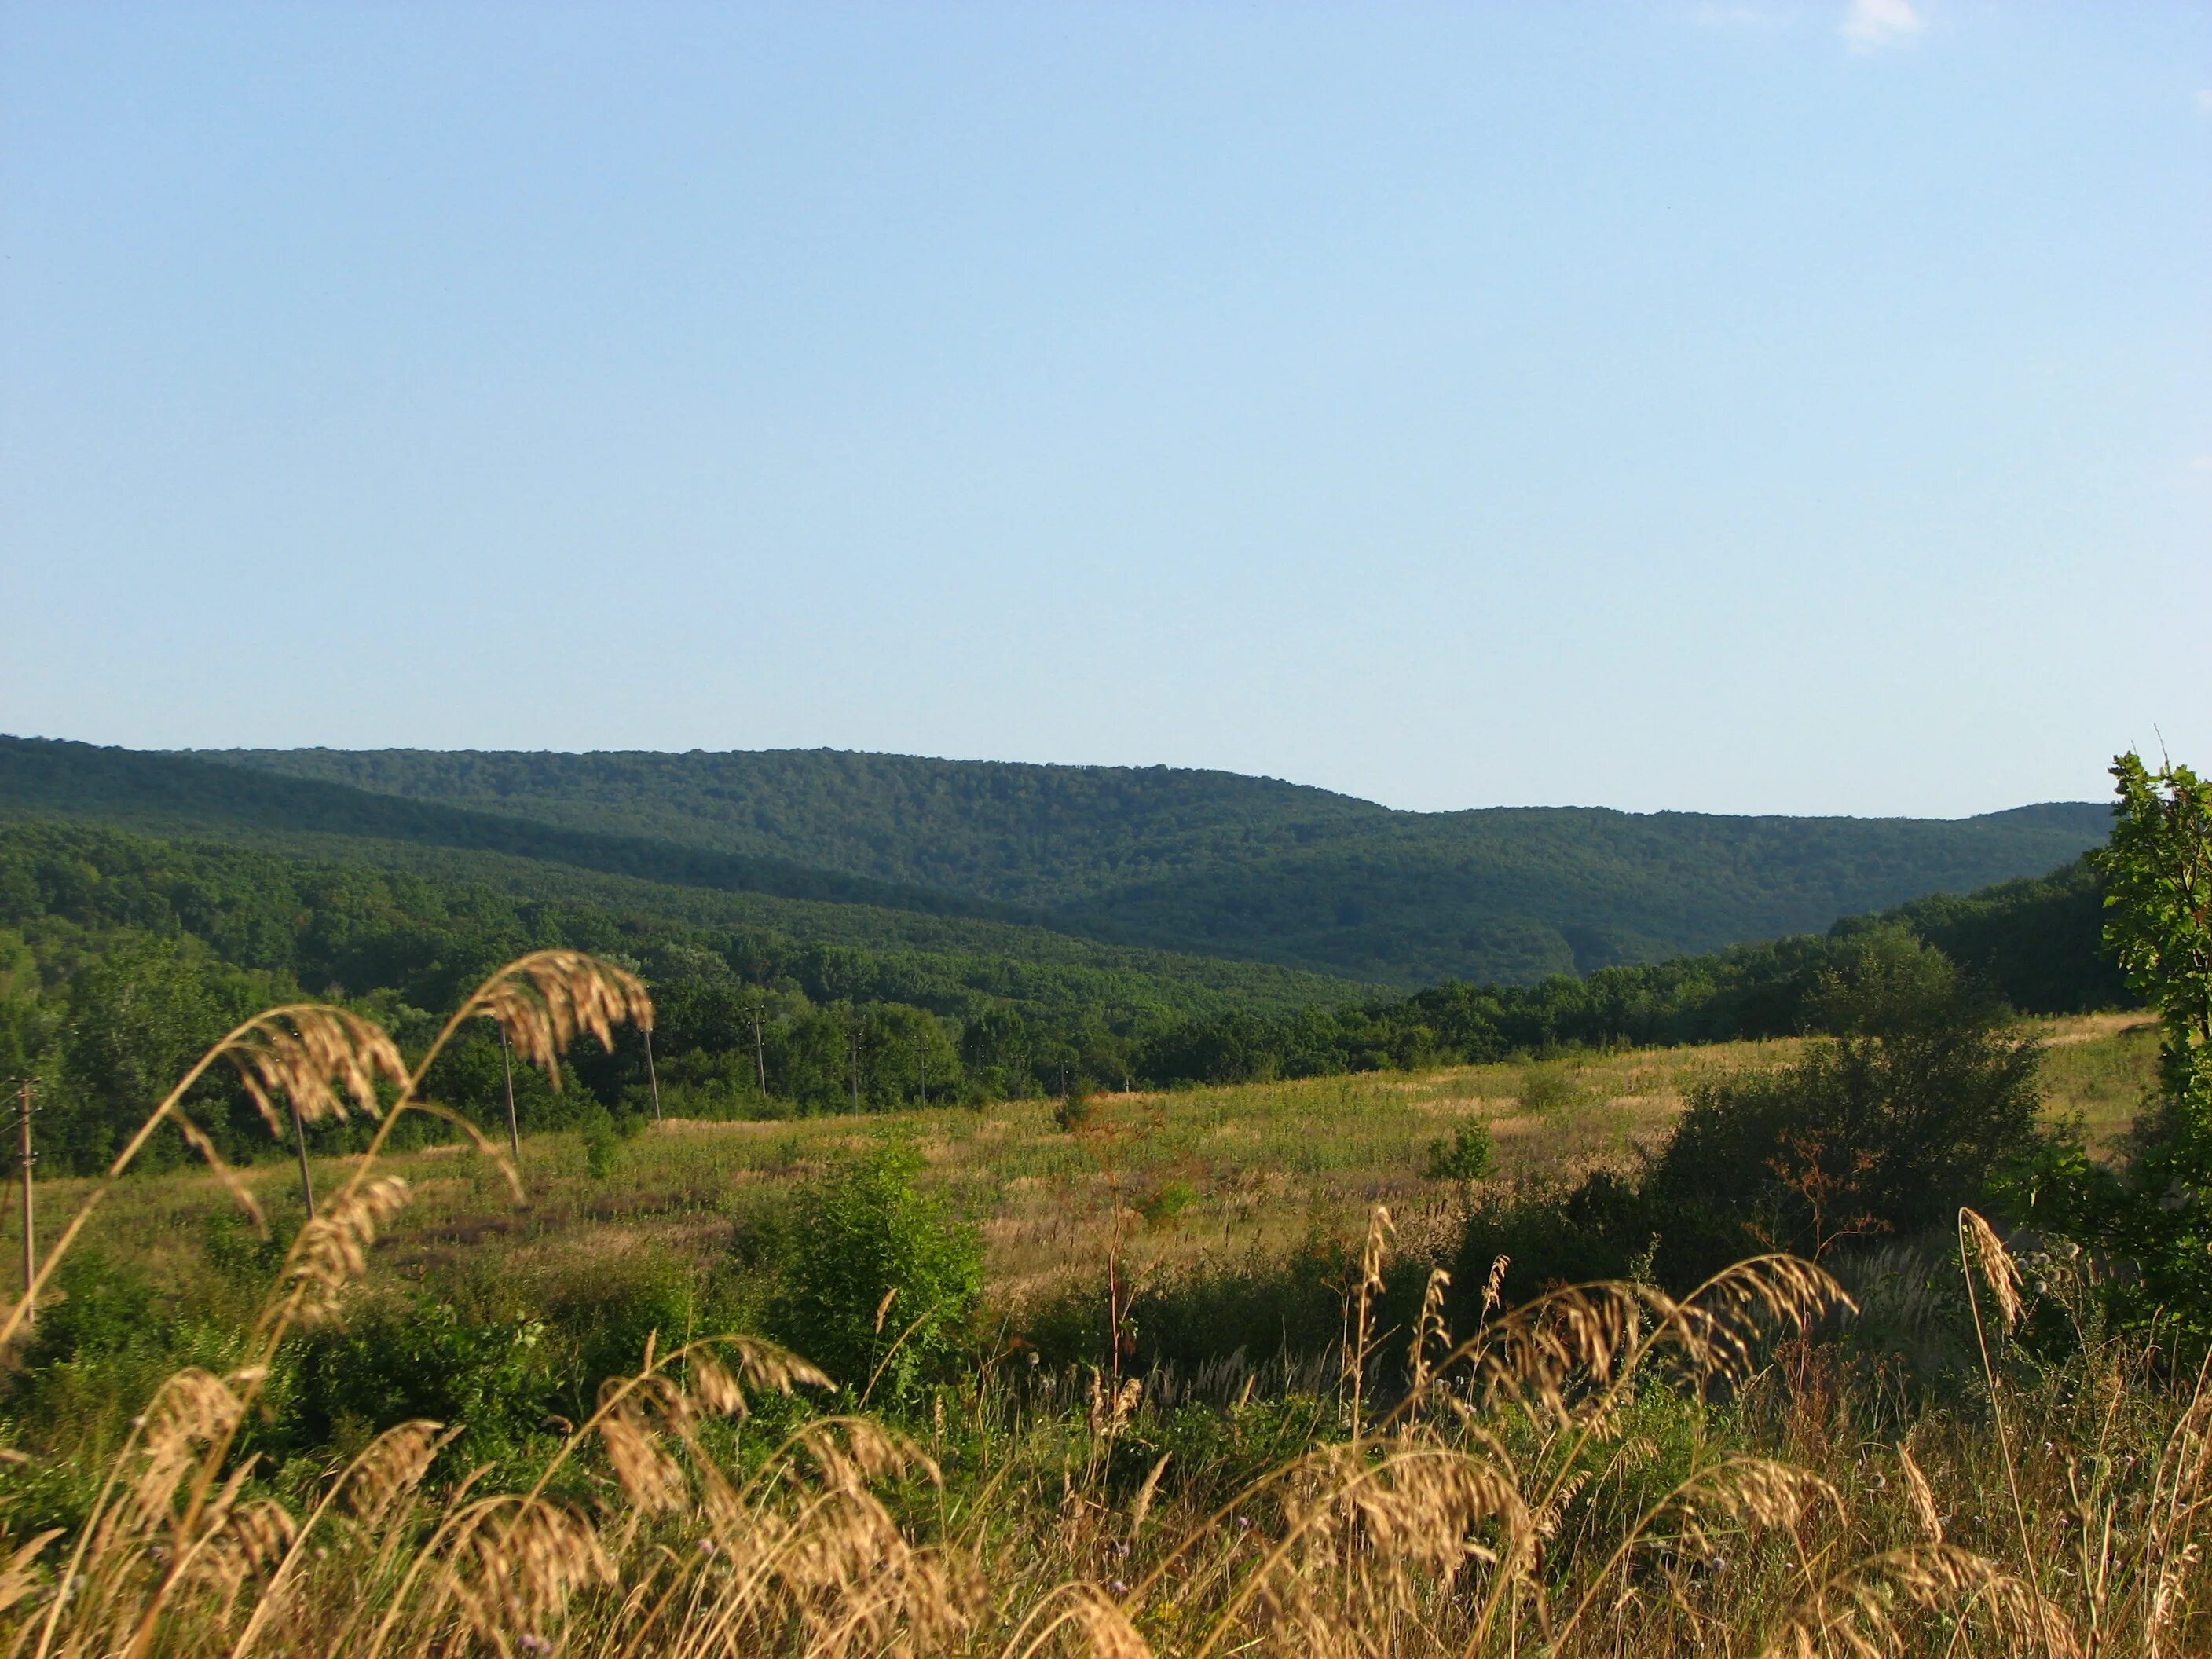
x=1217, y=863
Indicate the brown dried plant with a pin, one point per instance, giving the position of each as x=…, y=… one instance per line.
x=319, y=1060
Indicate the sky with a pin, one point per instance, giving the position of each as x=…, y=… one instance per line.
x=1770, y=407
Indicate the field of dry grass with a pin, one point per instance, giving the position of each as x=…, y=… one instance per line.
x=1602, y=1471
x=1237, y=1172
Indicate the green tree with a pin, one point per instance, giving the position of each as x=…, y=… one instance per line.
x=2158, y=897
x=879, y=1280
x=1467, y=1155
x=2158, y=877
x=137, y=1020
x=1922, y=1102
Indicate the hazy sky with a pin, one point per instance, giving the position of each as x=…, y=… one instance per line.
x=1799, y=407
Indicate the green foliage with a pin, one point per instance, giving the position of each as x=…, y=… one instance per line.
x=1551, y=1087
x=1182, y=860
x=2038, y=942
x=1074, y=1109
x=131, y=1023
x=879, y=1280
x=1916, y=1107
x=120, y=955
x=1922, y=1102
x=602, y=1142
x=2158, y=873
x=1164, y=1205
x=424, y=1357
x=1467, y=1155
x=2027, y=944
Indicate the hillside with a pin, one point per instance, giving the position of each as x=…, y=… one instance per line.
x=177, y=793
x=1253, y=868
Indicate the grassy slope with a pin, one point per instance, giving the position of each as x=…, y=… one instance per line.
x=1250, y=868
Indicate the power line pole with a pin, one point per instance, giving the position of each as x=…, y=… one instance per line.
x=300, y=1145
x=30, y=1231
x=507, y=1069
x=759, y=1052
x=856, y=1061
x=651, y=1075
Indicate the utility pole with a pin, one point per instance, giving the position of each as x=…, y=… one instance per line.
x=856, y=1060
x=506, y=1070
x=300, y=1145
x=30, y=1232
x=651, y=1075
x=759, y=1052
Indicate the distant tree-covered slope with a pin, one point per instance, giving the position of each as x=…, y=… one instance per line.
x=122, y=955
x=1041, y=835
x=43, y=785
x=160, y=792
x=1511, y=896
x=1250, y=868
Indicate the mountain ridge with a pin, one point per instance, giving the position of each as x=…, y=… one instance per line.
x=1249, y=868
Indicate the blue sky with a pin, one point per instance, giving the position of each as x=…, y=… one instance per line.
x=1765, y=407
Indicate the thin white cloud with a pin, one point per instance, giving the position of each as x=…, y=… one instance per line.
x=1870, y=24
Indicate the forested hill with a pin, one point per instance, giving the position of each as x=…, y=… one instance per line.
x=122, y=956
x=179, y=794
x=1252, y=868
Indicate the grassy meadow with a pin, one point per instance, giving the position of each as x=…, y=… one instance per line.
x=1236, y=1172
x=1605, y=1471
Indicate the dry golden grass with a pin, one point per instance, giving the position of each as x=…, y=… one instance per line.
x=1263, y=1167
x=1606, y=1470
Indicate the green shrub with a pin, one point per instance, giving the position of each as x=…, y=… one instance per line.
x=1072, y=1112
x=1549, y=1086
x=1164, y=1204
x=602, y=1133
x=1467, y=1155
x=879, y=1281
x=1922, y=1104
x=423, y=1358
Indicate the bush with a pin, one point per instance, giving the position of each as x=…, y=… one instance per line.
x=1467, y=1155
x=1923, y=1103
x=423, y=1358
x=1072, y=1112
x=1549, y=1086
x=878, y=1281
x=1919, y=1107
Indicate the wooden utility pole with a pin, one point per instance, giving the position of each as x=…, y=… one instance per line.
x=651, y=1075
x=506, y=1070
x=300, y=1145
x=759, y=1052
x=856, y=1060
x=30, y=1229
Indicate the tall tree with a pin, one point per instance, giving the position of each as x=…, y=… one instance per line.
x=2158, y=875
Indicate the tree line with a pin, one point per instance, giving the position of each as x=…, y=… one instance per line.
x=123, y=956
